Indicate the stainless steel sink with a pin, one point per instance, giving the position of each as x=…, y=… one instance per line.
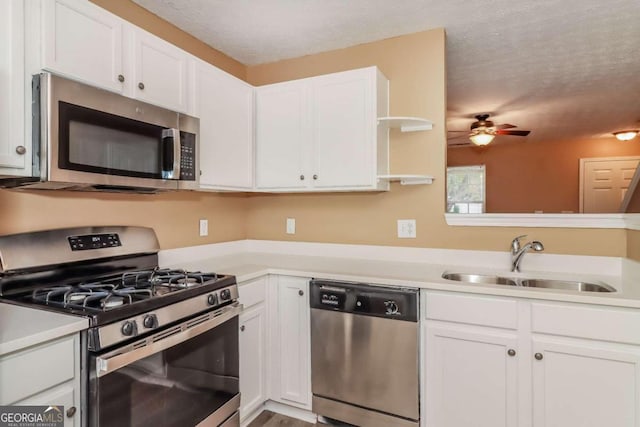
x=567, y=285
x=480, y=278
x=570, y=285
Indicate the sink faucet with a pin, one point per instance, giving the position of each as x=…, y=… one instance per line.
x=517, y=252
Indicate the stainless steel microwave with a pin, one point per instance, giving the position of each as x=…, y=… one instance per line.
x=91, y=139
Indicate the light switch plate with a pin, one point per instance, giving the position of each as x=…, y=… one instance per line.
x=291, y=226
x=407, y=228
x=204, y=227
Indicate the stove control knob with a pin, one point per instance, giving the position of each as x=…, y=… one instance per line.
x=392, y=307
x=129, y=328
x=150, y=321
x=212, y=299
x=225, y=295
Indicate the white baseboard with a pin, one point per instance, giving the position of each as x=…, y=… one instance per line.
x=291, y=411
x=245, y=421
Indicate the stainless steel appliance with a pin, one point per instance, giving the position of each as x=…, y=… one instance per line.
x=162, y=346
x=90, y=139
x=364, y=354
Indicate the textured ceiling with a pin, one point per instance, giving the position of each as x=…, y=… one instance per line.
x=561, y=68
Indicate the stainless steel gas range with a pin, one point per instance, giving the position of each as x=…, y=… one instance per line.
x=162, y=346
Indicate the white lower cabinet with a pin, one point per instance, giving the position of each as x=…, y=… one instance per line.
x=45, y=374
x=582, y=371
x=252, y=359
x=585, y=383
x=290, y=341
x=472, y=376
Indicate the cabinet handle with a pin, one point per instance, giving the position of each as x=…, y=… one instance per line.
x=315, y=176
x=71, y=412
x=511, y=352
x=538, y=356
x=120, y=78
x=141, y=85
x=301, y=292
x=20, y=149
x=301, y=177
x=242, y=328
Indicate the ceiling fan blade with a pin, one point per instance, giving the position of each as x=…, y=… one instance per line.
x=513, y=132
x=505, y=126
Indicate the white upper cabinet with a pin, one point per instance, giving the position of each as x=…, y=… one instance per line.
x=83, y=41
x=321, y=133
x=224, y=105
x=282, y=136
x=159, y=71
x=13, y=151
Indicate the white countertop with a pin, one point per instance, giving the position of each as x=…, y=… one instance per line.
x=247, y=266
x=22, y=327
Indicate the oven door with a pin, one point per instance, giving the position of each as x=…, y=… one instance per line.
x=185, y=375
x=99, y=138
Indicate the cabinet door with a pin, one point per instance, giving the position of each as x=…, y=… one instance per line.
x=344, y=129
x=65, y=395
x=12, y=88
x=471, y=378
x=84, y=42
x=282, y=136
x=585, y=383
x=159, y=71
x=294, y=343
x=224, y=105
x=252, y=359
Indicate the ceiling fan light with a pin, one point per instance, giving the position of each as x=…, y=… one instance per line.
x=481, y=138
x=626, y=135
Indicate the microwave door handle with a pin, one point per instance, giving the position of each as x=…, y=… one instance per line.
x=172, y=136
x=107, y=364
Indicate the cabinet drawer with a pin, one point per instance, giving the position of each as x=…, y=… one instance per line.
x=36, y=369
x=593, y=322
x=472, y=309
x=252, y=292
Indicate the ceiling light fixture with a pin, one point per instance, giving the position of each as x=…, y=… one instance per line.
x=481, y=137
x=626, y=135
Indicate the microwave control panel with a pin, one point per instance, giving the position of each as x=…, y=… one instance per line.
x=187, y=156
x=94, y=241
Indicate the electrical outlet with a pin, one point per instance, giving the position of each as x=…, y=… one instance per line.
x=204, y=227
x=407, y=228
x=291, y=226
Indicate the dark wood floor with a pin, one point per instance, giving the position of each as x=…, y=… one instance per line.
x=269, y=419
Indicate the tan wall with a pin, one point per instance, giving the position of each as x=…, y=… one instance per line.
x=415, y=66
x=141, y=17
x=633, y=245
x=174, y=216
x=526, y=177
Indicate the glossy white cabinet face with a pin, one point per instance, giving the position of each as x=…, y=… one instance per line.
x=159, y=72
x=471, y=378
x=282, y=136
x=252, y=359
x=321, y=133
x=12, y=89
x=585, y=383
x=224, y=105
x=83, y=41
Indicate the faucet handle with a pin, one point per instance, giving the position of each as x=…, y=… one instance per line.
x=515, y=243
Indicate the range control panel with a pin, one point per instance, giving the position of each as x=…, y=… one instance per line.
x=94, y=241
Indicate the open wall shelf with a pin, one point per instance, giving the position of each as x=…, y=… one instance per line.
x=406, y=124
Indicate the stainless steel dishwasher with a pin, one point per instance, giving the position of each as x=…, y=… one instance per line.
x=364, y=353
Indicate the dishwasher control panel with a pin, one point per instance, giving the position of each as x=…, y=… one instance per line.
x=365, y=299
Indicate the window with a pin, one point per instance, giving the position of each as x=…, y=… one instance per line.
x=466, y=189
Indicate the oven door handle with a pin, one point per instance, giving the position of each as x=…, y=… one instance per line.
x=107, y=364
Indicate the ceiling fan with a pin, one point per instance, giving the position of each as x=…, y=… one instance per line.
x=482, y=131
